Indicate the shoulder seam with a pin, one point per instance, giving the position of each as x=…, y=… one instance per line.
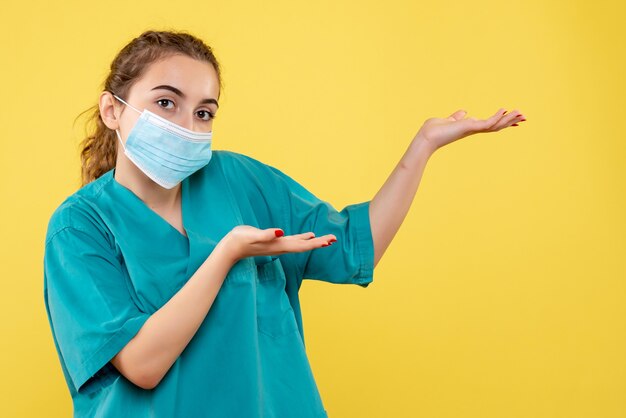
x=55, y=233
x=70, y=206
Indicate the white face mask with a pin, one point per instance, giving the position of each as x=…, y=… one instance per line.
x=164, y=151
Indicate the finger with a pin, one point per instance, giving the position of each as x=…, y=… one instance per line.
x=271, y=234
x=493, y=119
x=306, y=235
x=458, y=115
x=310, y=236
x=499, y=114
x=328, y=240
x=472, y=125
x=507, y=120
x=317, y=242
x=311, y=244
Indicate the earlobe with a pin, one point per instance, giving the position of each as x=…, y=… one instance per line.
x=107, y=110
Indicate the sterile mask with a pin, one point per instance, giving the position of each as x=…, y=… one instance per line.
x=164, y=151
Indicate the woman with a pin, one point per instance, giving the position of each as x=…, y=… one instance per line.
x=171, y=277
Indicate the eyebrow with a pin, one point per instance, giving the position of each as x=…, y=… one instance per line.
x=181, y=94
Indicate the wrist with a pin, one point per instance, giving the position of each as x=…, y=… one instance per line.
x=226, y=249
x=423, y=146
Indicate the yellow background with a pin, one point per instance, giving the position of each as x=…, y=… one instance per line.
x=503, y=293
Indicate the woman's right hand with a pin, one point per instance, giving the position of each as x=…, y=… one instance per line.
x=248, y=241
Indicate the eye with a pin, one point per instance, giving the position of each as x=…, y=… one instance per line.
x=206, y=115
x=164, y=100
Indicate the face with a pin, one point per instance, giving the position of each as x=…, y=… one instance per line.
x=179, y=88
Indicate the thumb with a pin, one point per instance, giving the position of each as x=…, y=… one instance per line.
x=459, y=114
x=273, y=233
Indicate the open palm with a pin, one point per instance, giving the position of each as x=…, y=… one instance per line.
x=438, y=132
x=247, y=240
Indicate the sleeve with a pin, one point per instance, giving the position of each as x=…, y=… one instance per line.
x=350, y=260
x=88, y=303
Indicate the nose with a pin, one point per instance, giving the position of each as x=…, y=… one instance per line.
x=187, y=122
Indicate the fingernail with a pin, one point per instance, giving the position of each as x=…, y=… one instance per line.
x=279, y=233
x=515, y=124
x=522, y=120
x=325, y=245
x=333, y=240
x=505, y=112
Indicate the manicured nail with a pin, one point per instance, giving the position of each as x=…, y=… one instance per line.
x=515, y=124
x=333, y=240
x=325, y=245
x=522, y=120
x=279, y=233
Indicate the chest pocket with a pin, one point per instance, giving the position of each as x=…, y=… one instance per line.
x=275, y=316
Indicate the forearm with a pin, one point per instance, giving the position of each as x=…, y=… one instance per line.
x=163, y=337
x=391, y=203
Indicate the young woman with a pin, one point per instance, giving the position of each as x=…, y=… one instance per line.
x=171, y=277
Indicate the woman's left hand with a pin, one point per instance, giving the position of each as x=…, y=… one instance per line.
x=437, y=132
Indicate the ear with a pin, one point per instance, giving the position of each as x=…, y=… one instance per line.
x=108, y=110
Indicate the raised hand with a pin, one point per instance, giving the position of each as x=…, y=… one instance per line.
x=437, y=132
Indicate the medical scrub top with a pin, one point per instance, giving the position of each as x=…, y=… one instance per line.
x=110, y=262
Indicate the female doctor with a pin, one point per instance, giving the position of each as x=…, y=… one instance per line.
x=171, y=276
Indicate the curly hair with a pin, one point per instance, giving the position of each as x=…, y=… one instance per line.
x=99, y=147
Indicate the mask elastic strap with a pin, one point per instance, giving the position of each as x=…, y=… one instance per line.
x=127, y=104
x=120, y=138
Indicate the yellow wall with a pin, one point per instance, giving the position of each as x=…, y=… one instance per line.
x=503, y=294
